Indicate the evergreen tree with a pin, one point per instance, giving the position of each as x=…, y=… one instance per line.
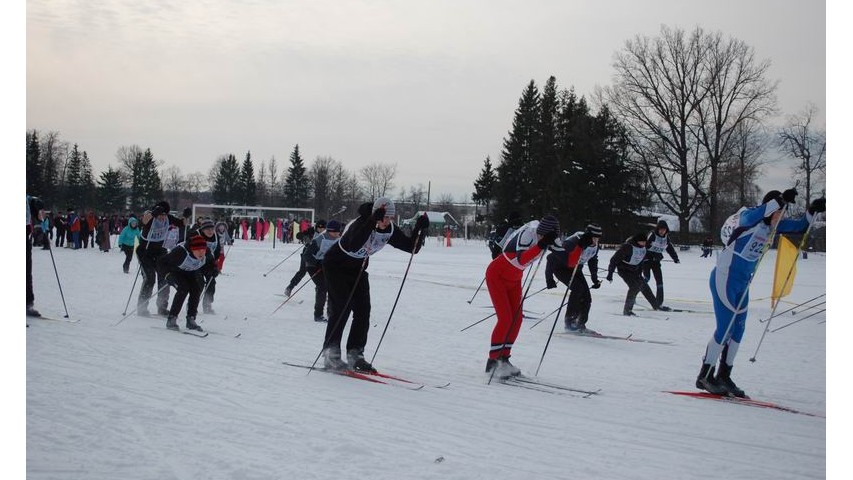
x=248, y=186
x=49, y=150
x=35, y=167
x=111, y=195
x=74, y=180
x=146, y=188
x=546, y=162
x=296, y=186
x=87, y=181
x=484, y=185
x=226, y=181
x=516, y=189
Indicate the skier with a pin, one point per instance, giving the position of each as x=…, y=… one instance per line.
x=627, y=260
x=318, y=230
x=503, y=231
x=156, y=224
x=35, y=212
x=207, y=231
x=127, y=241
x=731, y=278
x=656, y=243
x=345, y=269
x=503, y=279
x=184, y=268
x=707, y=247
x=576, y=251
x=314, y=254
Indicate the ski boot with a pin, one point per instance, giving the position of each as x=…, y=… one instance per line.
x=332, y=359
x=191, y=325
x=355, y=358
x=172, y=322
x=724, y=380
x=507, y=367
x=32, y=312
x=706, y=381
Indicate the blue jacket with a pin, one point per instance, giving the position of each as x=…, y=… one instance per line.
x=130, y=233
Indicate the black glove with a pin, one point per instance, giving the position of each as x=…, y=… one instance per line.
x=609, y=276
x=422, y=222
x=214, y=272
x=547, y=239
x=549, y=284
x=379, y=213
x=818, y=205
x=789, y=195
x=596, y=283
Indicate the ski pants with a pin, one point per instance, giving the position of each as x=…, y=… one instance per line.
x=636, y=284
x=652, y=267
x=207, y=301
x=320, y=292
x=128, y=256
x=186, y=284
x=297, y=277
x=580, y=299
x=30, y=296
x=504, y=283
x=148, y=262
x=343, y=285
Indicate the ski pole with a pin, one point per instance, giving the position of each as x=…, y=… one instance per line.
x=563, y=303
x=557, y=317
x=517, y=315
x=784, y=285
x=393, y=307
x=478, y=291
x=137, y=306
x=495, y=313
x=798, y=320
x=292, y=294
x=62, y=295
x=797, y=306
x=279, y=263
x=343, y=312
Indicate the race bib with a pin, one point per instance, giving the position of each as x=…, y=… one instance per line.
x=730, y=225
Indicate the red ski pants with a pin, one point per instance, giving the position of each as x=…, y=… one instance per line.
x=504, y=283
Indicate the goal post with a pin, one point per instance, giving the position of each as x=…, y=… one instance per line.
x=249, y=211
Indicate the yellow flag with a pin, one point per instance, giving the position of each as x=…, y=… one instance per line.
x=786, y=269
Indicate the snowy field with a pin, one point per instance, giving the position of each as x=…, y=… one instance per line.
x=135, y=401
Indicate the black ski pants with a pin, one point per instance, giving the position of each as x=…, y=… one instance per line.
x=652, y=267
x=320, y=292
x=128, y=256
x=148, y=262
x=186, y=284
x=341, y=285
x=580, y=299
x=636, y=284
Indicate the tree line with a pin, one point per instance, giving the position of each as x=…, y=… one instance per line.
x=683, y=129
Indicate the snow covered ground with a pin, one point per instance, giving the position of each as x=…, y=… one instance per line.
x=135, y=401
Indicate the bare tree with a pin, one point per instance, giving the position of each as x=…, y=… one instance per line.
x=196, y=182
x=800, y=140
x=682, y=96
x=737, y=97
x=378, y=179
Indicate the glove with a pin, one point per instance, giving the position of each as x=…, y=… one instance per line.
x=596, y=284
x=379, y=213
x=214, y=272
x=789, y=195
x=547, y=239
x=609, y=276
x=549, y=284
x=818, y=205
x=422, y=222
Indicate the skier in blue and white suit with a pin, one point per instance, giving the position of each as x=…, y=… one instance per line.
x=750, y=231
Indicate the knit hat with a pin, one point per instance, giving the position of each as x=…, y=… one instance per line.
x=333, y=226
x=548, y=224
x=206, y=224
x=320, y=224
x=188, y=212
x=198, y=242
x=390, y=209
x=638, y=237
x=164, y=205
x=662, y=224
x=593, y=229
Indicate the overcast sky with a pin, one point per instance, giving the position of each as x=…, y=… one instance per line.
x=428, y=85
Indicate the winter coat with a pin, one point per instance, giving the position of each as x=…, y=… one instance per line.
x=130, y=233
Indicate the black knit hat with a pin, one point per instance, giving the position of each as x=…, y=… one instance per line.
x=663, y=224
x=320, y=224
x=549, y=223
x=207, y=224
x=333, y=226
x=164, y=205
x=593, y=230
